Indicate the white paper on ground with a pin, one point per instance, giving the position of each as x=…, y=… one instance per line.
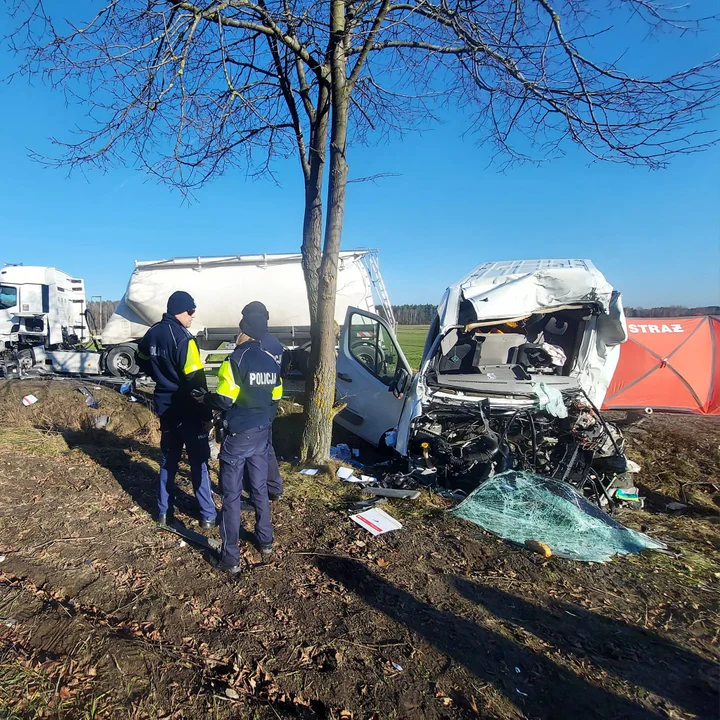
x=309, y=471
x=29, y=400
x=344, y=473
x=376, y=521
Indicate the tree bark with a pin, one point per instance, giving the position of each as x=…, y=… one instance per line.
x=312, y=220
x=320, y=396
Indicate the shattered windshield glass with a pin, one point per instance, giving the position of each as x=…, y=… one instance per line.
x=524, y=507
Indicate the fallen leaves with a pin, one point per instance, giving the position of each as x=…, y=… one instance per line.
x=324, y=658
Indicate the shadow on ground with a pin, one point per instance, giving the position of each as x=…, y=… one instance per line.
x=138, y=478
x=638, y=656
x=542, y=688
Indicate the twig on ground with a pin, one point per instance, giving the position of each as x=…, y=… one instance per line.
x=377, y=646
x=67, y=539
x=317, y=554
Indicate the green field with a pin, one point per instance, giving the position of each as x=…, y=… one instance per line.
x=410, y=337
x=412, y=341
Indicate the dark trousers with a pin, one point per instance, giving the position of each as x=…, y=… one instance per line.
x=188, y=433
x=248, y=448
x=274, y=478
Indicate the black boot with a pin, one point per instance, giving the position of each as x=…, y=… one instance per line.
x=165, y=519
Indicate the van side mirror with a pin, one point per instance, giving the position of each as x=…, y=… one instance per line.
x=399, y=382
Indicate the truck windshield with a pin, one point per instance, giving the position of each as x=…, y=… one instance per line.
x=8, y=297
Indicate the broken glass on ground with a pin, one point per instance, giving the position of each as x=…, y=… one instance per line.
x=521, y=506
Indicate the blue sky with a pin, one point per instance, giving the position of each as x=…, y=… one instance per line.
x=656, y=235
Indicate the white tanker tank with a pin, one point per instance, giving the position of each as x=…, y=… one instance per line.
x=222, y=286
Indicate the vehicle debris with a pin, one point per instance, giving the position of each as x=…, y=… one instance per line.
x=101, y=421
x=367, y=504
x=90, y=400
x=192, y=538
x=539, y=547
x=391, y=493
x=522, y=507
x=376, y=522
x=630, y=495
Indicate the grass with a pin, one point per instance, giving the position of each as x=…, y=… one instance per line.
x=31, y=441
x=33, y=689
x=410, y=337
x=412, y=342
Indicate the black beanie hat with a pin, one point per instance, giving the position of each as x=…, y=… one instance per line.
x=254, y=324
x=180, y=302
x=256, y=307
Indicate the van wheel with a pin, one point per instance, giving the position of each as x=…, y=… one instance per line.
x=120, y=361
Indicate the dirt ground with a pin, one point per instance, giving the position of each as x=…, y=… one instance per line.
x=103, y=615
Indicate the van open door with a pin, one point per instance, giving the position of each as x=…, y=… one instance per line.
x=372, y=376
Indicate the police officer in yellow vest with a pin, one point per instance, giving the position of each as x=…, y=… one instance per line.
x=170, y=355
x=249, y=385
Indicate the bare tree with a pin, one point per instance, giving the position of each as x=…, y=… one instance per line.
x=187, y=90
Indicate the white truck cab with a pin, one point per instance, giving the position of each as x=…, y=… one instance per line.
x=41, y=308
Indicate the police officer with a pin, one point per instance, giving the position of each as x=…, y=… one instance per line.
x=170, y=355
x=249, y=385
x=272, y=345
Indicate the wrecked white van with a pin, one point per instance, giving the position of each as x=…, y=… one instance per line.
x=515, y=364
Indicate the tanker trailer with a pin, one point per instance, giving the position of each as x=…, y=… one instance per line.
x=222, y=286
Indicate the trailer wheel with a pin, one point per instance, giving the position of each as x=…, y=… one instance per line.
x=120, y=361
x=369, y=355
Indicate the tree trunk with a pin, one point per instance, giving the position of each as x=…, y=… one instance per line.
x=320, y=395
x=312, y=220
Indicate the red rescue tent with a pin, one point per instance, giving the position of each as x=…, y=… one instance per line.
x=669, y=364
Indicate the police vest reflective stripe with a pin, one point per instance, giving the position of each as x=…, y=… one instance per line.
x=193, y=363
x=226, y=382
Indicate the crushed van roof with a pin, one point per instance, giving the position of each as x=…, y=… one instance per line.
x=518, y=288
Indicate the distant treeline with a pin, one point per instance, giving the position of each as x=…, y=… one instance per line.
x=100, y=313
x=414, y=314
x=424, y=314
x=672, y=311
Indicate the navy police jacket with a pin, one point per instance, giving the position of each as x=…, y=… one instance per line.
x=249, y=386
x=273, y=346
x=170, y=355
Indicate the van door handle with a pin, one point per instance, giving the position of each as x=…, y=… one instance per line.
x=344, y=377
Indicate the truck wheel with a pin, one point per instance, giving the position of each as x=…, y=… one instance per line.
x=368, y=355
x=25, y=359
x=120, y=361
x=301, y=360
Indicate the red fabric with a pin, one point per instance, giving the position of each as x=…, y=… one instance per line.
x=669, y=364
